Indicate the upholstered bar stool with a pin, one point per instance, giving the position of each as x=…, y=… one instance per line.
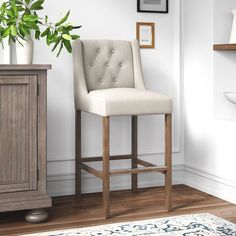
x=108, y=81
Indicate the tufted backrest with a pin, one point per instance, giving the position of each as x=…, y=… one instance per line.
x=107, y=64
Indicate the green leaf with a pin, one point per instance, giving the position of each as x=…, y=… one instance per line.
x=30, y=18
x=61, y=47
x=48, y=39
x=64, y=19
x=24, y=29
x=51, y=38
x=12, y=38
x=46, y=19
x=3, y=8
x=27, y=2
x=37, y=34
x=45, y=32
x=66, y=37
x=14, y=9
x=74, y=37
x=21, y=31
x=56, y=44
x=60, y=29
x=10, y=21
x=27, y=11
x=9, y=13
x=20, y=8
x=37, y=5
x=6, y=32
x=13, y=30
x=32, y=25
x=71, y=27
x=67, y=45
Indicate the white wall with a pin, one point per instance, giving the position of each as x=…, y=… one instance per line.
x=111, y=20
x=209, y=142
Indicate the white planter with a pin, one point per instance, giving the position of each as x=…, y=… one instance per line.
x=233, y=30
x=24, y=54
x=6, y=52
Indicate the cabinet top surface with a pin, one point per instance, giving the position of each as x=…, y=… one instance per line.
x=25, y=67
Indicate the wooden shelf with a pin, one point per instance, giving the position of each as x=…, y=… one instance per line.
x=224, y=47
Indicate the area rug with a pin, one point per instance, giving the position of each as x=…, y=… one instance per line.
x=186, y=225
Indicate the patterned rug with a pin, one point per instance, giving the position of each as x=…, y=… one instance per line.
x=186, y=225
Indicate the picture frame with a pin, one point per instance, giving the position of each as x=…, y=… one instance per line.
x=153, y=6
x=145, y=34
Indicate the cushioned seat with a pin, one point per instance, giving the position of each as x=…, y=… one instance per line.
x=126, y=101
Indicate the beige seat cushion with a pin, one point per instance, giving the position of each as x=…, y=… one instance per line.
x=126, y=101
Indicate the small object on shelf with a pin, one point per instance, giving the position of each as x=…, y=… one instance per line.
x=230, y=96
x=233, y=30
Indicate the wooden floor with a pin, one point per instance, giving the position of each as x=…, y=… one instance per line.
x=69, y=212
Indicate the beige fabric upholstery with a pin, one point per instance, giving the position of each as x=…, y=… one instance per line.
x=108, y=64
x=126, y=101
x=108, y=80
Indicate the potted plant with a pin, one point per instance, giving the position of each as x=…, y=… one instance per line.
x=20, y=21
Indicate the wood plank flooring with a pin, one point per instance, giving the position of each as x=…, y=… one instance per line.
x=69, y=212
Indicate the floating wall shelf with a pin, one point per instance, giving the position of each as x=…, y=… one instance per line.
x=224, y=47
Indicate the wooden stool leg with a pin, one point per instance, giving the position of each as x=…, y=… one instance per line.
x=77, y=153
x=134, y=152
x=168, y=161
x=106, y=167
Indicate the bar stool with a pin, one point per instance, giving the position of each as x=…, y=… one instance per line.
x=108, y=81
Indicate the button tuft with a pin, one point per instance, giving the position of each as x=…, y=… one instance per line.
x=91, y=64
x=121, y=64
x=112, y=51
x=107, y=64
x=100, y=80
x=98, y=50
x=114, y=79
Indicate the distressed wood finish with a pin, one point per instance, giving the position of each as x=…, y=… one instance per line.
x=92, y=170
x=14, y=134
x=168, y=161
x=18, y=112
x=25, y=68
x=106, y=166
x=23, y=113
x=78, y=153
x=161, y=169
x=134, y=141
x=112, y=158
x=134, y=170
x=224, y=47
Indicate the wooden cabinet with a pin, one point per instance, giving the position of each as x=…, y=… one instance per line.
x=23, y=110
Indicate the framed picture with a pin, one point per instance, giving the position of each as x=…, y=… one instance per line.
x=154, y=6
x=145, y=34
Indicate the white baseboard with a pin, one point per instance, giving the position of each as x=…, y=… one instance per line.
x=63, y=184
x=209, y=183
x=60, y=185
